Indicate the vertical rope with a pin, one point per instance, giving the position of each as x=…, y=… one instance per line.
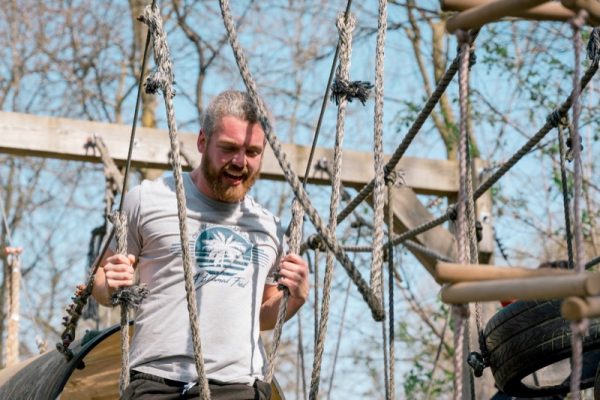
x=461, y=224
x=345, y=26
x=14, y=281
x=378, y=161
x=162, y=79
x=294, y=244
x=392, y=388
x=119, y=220
x=565, y=194
x=578, y=328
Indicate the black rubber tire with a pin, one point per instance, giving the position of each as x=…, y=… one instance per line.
x=526, y=336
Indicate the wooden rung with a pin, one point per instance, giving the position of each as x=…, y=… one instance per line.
x=577, y=308
x=591, y=6
x=481, y=15
x=545, y=12
x=533, y=288
x=454, y=273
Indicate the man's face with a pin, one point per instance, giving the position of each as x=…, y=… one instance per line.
x=231, y=159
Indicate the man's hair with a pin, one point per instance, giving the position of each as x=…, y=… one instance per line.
x=230, y=103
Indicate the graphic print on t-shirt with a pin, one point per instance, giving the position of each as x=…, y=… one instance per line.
x=222, y=255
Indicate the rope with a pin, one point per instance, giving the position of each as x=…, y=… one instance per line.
x=289, y=174
x=578, y=328
x=294, y=244
x=378, y=161
x=410, y=135
x=345, y=26
x=462, y=224
x=13, y=314
x=565, y=194
x=390, y=249
x=162, y=78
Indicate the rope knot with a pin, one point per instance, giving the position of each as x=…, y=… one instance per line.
x=162, y=77
x=350, y=90
x=554, y=118
x=393, y=177
x=130, y=297
x=315, y=242
x=578, y=21
x=452, y=212
x=593, y=46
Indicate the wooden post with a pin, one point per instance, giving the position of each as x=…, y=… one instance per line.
x=14, y=279
x=489, y=12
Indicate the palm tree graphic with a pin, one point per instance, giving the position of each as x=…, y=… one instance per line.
x=223, y=248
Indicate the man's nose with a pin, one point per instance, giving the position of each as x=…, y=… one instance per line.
x=239, y=159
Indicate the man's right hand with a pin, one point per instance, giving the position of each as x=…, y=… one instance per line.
x=116, y=271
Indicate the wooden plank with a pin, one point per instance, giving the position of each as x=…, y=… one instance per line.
x=61, y=138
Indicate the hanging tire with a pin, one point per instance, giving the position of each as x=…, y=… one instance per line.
x=527, y=336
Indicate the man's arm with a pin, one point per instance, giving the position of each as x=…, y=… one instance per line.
x=115, y=271
x=294, y=275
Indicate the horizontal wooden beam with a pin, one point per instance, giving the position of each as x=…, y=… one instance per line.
x=61, y=138
x=454, y=273
x=532, y=288
x=551, y=11
x=478, y=16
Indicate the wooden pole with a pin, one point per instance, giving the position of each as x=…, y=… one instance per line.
x=545, y=12
x=577, y=308
x=533, y=288
x=591, y=6
x=454, y=273
x=489, y=12
x=12, y=337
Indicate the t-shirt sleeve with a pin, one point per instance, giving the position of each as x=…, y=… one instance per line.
x=131, y=207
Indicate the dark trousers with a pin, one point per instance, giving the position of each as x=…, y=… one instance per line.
x=151, y=387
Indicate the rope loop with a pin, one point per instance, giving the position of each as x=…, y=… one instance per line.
x=579, y=20
x=463, y=37
x=593, y=46
x=394, y=177
x=452, y=212
x=350, y=90
x=162, y=77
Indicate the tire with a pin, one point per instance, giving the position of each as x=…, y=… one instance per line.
x=526, y=336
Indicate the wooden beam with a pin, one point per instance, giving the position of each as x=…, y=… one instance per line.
x=454, y=273
x=478, y=16
x=546, y=12
x=61, y=138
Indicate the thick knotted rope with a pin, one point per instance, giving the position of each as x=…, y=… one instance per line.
x=162, y=78
x=463, y=243
x=127, y=297
x=294, y=245
x=345, y=25
x=289, y=174
x=378, y=160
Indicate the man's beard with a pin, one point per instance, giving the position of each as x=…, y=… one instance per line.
x=215, y=179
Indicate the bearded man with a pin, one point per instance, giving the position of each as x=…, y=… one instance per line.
x=238, y=247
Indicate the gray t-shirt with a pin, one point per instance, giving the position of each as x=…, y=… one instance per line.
x=235, y=249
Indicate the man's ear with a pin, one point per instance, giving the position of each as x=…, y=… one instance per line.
x=201, y=142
